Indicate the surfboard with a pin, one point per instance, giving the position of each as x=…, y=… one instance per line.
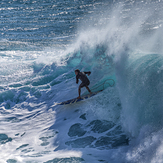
x=75, y=100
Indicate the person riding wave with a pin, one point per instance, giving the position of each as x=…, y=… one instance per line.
x=85, y=81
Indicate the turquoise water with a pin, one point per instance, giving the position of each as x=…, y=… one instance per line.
x=42, y=43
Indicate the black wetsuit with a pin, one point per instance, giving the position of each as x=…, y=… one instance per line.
x=82, y=76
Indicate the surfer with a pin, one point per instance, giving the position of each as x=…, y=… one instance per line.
x=85, y=81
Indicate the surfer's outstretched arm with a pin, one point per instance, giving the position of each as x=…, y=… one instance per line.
x=87, y=72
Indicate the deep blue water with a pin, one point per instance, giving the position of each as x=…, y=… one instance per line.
x=42, y=43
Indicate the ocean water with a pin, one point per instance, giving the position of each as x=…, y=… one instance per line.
x=43, y=42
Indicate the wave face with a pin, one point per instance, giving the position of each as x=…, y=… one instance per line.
x=42, y=43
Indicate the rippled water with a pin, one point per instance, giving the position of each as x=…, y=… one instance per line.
x=42, y=43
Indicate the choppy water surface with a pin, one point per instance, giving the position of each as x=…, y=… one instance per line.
x=42, y=43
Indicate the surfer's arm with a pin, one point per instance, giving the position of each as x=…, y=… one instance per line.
x=88, y=72
x=77, y=80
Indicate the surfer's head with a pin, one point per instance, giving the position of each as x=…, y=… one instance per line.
x=77, y=71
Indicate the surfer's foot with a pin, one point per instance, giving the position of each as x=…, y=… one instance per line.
x=90, y=92
x=79, y=97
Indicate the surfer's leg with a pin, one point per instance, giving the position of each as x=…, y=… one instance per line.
x=79, y=91
x=88, y=89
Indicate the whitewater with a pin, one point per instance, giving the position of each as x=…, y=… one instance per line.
x=42, y=43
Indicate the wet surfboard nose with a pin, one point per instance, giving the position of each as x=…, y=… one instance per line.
x=75, y=100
